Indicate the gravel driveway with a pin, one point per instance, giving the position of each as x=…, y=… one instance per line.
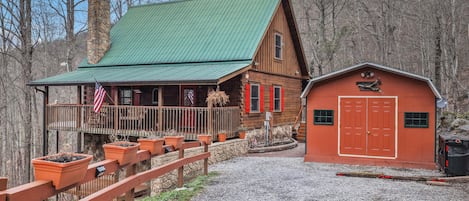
x=286, y=178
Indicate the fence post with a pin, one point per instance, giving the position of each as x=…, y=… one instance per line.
x=3, y=183
x=206, y=159
x=131, y=170
x=181, y=169
x=3, y=186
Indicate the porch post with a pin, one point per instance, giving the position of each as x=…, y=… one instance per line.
x=115, y=96
x=78, y=122
x=160, y=108
x=45, y=134
x=209, y=119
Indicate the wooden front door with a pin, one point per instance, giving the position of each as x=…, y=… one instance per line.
x=367, y=126
x=188, y=100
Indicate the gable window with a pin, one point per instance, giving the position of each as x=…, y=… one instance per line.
x=126, y=96
x=278, y=46
x=255, y=98
x=416, y=119
x=154, y=99
x=323, y=117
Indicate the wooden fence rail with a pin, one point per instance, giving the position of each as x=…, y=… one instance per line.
x=42, y=190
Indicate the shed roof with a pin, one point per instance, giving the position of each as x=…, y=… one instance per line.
x=371, y=65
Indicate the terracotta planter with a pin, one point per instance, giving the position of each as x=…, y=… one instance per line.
x=62, y=174
x=242, y=134
x=175, y=141
x=207, y=139
x=123, y=152
x=221, y=137
x=154, y=146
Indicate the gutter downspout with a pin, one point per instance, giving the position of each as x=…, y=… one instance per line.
x=45, y=136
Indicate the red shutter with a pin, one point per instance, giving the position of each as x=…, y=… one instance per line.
x=272, y=98
x=282, y=98
x=247, y=96
x=261, y=98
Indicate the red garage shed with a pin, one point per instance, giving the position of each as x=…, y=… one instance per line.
x=371, y=114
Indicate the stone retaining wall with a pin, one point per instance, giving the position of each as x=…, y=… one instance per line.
x=280, y=135
x=219, y=152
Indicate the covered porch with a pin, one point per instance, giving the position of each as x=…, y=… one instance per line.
x=143, y=121
x=146, y=100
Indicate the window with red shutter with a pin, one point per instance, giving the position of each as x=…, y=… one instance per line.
x=255, y=98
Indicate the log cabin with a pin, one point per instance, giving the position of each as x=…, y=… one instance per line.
x=159, y=61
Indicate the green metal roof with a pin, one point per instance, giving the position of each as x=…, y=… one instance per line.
x=189, y=31
x=196, y=41
x=200, y=73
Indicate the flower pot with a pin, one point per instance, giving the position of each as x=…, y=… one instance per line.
x=221, y=137
x=207, y=139
x=242, y=134
x=175, y=141
x=123, y=152
x=154, y=146
x=62, y=174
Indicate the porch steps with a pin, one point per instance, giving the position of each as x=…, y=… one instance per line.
x=301, y=133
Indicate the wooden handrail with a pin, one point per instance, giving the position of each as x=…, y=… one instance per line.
x=128, y=183
x=42, y=189
x=298, y=117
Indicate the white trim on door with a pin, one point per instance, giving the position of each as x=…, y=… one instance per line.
x=395, y=127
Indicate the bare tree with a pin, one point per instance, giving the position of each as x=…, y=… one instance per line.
x=16, y=33
x=324, y=36
x=65, y=9
x=425, y=37
x=119, y=7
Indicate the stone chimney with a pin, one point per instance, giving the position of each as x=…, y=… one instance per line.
x=99, y=27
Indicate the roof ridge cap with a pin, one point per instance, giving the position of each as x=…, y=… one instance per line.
x=158, y=3
x=170, y=63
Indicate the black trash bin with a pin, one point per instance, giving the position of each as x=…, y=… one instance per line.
x=453, y=154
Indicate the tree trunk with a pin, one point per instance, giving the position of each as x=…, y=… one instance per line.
x=437, y=58
x=26, y=53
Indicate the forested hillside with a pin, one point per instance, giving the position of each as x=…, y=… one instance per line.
x=47, y=37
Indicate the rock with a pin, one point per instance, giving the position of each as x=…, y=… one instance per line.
x=458, y=122
x=464, y=127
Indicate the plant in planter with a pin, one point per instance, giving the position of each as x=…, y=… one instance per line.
x=221, y=136
x=153, y=145
x=64, y=169
x=242, y=132
x=207, y=139
x=217, y=98
x=173, y=138
x=122, y=151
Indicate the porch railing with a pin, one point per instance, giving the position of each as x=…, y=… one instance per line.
x=144, y=120
x=121, y=189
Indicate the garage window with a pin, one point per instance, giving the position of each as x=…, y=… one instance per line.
x=323, y=117
x=416, y=119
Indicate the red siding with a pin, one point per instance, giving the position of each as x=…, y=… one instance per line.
x=247, y=103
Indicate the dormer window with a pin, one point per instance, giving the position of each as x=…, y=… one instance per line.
x=278, y=46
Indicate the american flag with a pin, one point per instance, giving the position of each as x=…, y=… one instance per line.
x=99, y=94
